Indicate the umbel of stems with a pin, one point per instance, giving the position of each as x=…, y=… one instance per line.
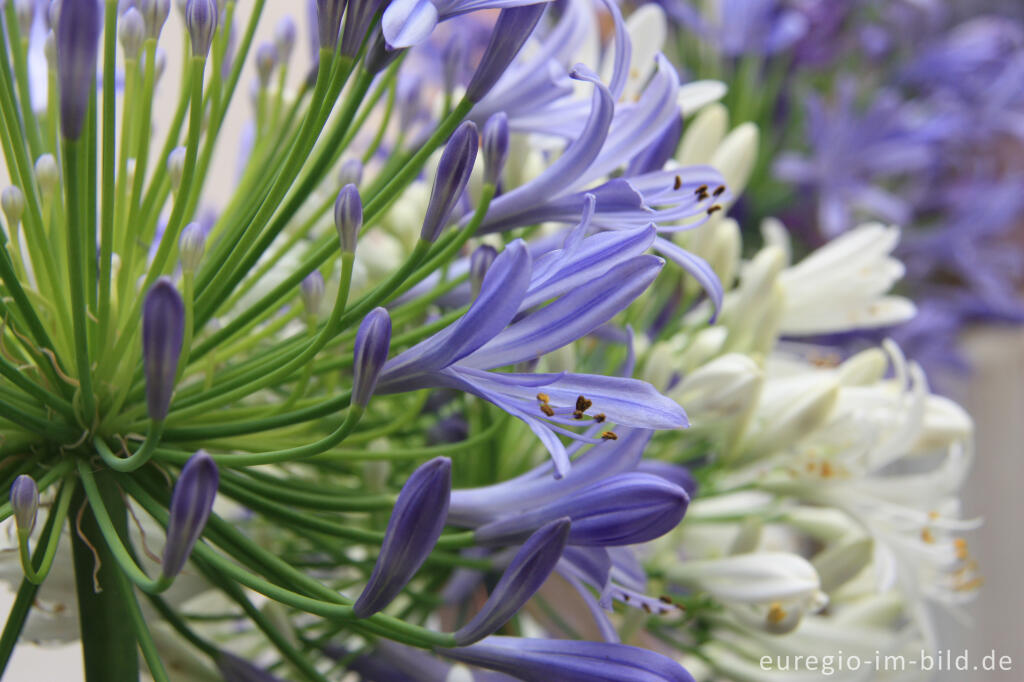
x=117, y=363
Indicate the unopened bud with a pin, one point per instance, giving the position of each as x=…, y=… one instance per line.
x=479, y=263
x=528, y=570
x=12, y=200
x=201, y=20
x=154, y=13
x=312, y=292
x=284, y=38
x=413, y=529
x=328, y=19
x=351, y=172
x=191, y=504
x=131, y=30
x=78, y=42
x=25, y=503
x=163, y=333
x=373, y=340
x=453, y=173
x=47, y=174
x=176, y=167
x=191, y=246
x=495, y=147
x=266, y=62
x=348, y=217
x=513, y=27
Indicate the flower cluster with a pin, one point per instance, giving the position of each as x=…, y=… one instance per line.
x=479, y=320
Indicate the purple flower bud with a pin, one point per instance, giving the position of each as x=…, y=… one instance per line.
x=371, y=350
x=25, y=502
x=568, y=660
x=625, y=509
x=266, y=61
x=191, y=246
x=479, y=263
x=201, y=20
x=163, y=332
x=78, y=42
x=357, y=24
x=348, y=217
x=155, y=13
x=495, y=147
x=453, y=173
x=351, y=172
x=312, y=292
x=328, y=19
x=191, y=504
x=378, y=55
x=513, y=27
x=413, y=530
x=530, y=567
x=284, y=38
x=131, y=30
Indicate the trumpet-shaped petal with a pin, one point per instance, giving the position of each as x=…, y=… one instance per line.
x=621, y=510
x=415, y=525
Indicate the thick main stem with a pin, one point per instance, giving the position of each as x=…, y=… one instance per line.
x=108, y=640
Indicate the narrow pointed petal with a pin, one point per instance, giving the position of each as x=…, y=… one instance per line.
x=697, y=267
x=501, y=294
x=528, y=570
x=543, y=660
x=570, y=317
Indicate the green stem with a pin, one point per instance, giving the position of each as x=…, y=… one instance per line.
x=108, y=638
x=112, y=535
x=74, y=185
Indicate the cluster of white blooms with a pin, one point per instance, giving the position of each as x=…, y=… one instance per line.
x=828, y=518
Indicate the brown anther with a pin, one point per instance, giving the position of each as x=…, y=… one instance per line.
x=645, y=607
x=625, y=597
x=576, y=414
x=927, y=536
x=599, y=417
x=678, y=183
x=776, y=614
x=546, y=409
x=703, y=189
x=714, y=209
x=665, y=600
x=609, y=435
x=719, y=191
x=826, y=469
x=543, y=397
x=582, y=404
